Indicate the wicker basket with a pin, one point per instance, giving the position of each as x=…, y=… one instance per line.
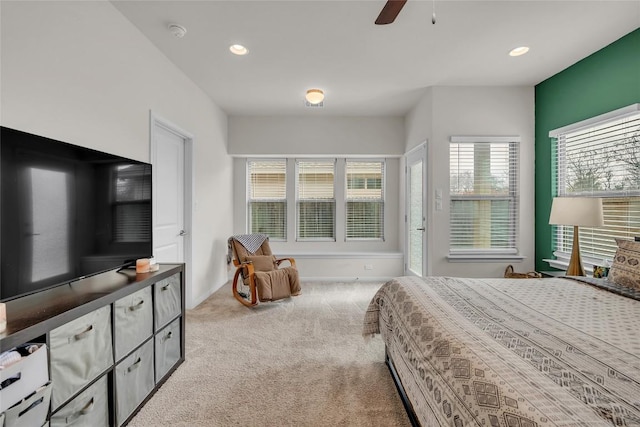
x=509, y=273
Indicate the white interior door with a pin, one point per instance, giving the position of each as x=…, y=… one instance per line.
x=169, y=198
x=415, y=219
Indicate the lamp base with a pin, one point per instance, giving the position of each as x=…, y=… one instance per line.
x=575, y=264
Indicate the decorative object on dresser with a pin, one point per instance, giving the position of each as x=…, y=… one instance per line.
x=576, y=211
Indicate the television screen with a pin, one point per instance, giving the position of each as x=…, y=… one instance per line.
x=67, y=212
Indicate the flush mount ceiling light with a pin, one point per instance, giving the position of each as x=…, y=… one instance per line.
x=178, y=31
x=314, y=96
x=518, y=51
x=238, y=49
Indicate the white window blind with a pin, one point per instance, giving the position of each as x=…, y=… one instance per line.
x=267, y=185
x=132, y=203
x=364, y=200
x=484, y=195
x=600, y=157
x=315, y=199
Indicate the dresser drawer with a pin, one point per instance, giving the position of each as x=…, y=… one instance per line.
x=134, y=381
x=168, y=300
x=167, y=348
x=80, y=351
x=88, y=409
x=134, y=321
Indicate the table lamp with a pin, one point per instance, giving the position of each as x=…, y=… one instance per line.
x=576, y=211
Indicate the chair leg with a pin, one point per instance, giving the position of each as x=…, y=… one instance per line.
x=250, y=300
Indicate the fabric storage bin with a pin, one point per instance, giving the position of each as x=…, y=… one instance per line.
x=88, y=409
x=80, y=351
x=23, y=377
x=32, y=411
x=167, y=348
x=133, y=321
x=134, y=378
x=168, y=300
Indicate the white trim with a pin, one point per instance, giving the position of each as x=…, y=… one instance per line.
x=484, y=258
x=594, y=121
x=347, y=279
x=316, y=156
x=189, y=188
x=339, y=255
x=469, y=139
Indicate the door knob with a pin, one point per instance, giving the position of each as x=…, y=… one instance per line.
x=182, y=233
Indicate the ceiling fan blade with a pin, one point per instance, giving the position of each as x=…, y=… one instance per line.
x=390, y=11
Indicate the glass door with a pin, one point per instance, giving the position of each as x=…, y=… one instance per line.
x=415, y=225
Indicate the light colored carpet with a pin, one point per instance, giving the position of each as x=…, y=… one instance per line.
x=296, y=362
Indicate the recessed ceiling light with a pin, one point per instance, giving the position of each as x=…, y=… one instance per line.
x=238, y=49
x=519, y=51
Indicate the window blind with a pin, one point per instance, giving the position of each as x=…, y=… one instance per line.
x=600, y=158
x=268, y=197
x=484, y=196
x=364, y=199
x=315, y=199
x=132, y=204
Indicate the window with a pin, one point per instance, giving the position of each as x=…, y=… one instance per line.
x=315, y=199
x=132, y=204
x=600, y=157
x=364, y=200
x=268, y=198
x=484, y=195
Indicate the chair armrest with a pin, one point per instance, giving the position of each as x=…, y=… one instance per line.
x=247, y=268
x=292, y=261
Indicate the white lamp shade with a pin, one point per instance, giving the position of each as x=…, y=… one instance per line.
x=581, y=211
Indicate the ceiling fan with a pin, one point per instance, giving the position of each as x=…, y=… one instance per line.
x=391, y=10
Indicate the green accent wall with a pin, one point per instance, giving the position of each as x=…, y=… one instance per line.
x=604, y=81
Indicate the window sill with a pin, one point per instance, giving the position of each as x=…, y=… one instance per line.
x=484, y=257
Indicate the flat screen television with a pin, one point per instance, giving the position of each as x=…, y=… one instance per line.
x=67, y=212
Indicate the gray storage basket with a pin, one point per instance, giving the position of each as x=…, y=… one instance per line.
x=80, y=351
x=134, y=378
x=134, y=321
x=89, y=409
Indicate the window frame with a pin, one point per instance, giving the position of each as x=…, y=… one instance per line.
x=381, y=201
x=512, y=250
x=250, y=200
x=562, y=236
x=298, y=201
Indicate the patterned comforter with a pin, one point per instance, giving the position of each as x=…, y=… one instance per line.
x=511, y=352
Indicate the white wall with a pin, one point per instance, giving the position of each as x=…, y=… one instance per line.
x=256, y=135
x=353, y=137
x=477, y=111
x=81, y=73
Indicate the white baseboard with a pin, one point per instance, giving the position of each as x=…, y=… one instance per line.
x=344, y=279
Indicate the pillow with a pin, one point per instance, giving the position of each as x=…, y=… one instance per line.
x=625, y=269
x=262, y=262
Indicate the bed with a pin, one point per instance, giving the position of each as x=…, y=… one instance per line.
x=512, y=352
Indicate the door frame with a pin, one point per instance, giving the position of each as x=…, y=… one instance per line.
x=156, y=121
x=419, y=150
